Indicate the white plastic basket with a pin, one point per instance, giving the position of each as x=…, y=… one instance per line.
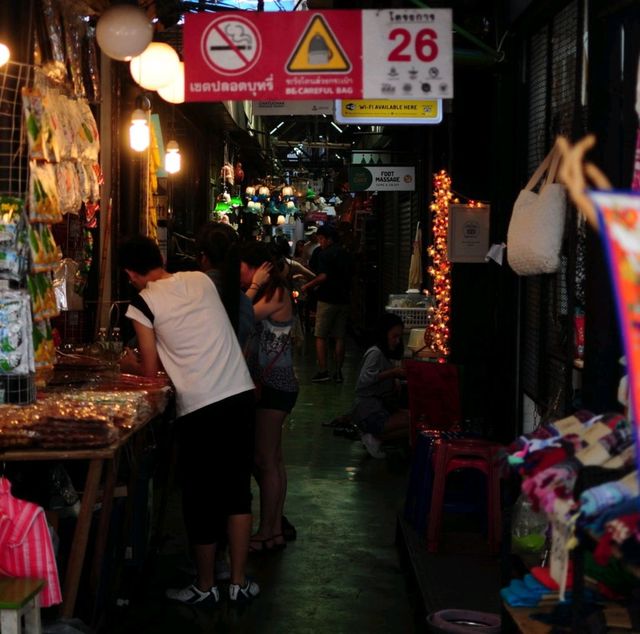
x=411, y=317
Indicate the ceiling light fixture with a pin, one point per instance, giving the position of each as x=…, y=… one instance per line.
x=172, y=159
x=4, y=54
x=139, y=134
x=156, y=67
x=278, y=126
x=337, y=127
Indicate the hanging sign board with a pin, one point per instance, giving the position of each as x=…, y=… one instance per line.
x=468, y=234
x=277, y=108
x=619, y=219
x=367, y=178
x=388, y=111
x=408, y=54
x=346, y=54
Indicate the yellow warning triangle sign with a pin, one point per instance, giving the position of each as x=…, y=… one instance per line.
x=318, y=51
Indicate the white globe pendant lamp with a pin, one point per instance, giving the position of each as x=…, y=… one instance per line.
x=123, y=31
x=156, y=67
x=174, y=92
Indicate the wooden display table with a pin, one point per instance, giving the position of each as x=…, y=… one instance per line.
x=99, y=460
x=523, y=621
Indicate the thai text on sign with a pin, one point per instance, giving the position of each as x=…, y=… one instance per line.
x=402, y=53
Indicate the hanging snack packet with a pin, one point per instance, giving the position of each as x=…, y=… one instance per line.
x=43, y=195
x=42, y=295
x=68, y=187
x=10, y=219
x=44, y=350
x=38, y=125
x=88, y=131
x=64, y=130
x=15, y=321
x=44, y=251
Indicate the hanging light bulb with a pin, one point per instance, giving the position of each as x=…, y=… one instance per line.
x=4, y=54
x=172, y=157
x=139, y=134
x=287, y=191
x=174, y=92
x=157, y=66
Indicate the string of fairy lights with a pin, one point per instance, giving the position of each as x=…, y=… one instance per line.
x=437, y=333
x=440, y=268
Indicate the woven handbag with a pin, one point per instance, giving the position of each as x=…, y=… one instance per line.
x=534, y=237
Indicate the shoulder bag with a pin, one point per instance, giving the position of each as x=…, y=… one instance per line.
x=534, y=237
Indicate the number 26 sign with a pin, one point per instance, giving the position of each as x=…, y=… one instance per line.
x=407, y=53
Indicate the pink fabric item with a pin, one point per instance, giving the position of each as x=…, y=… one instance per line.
x=25, y=544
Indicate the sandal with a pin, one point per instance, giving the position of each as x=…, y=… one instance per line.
x=267, y=544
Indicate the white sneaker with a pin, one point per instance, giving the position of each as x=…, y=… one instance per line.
x=240, y=594
x=193, y=596
x=372, y=445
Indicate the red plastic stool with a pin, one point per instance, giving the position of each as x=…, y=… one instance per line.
x=465, y=454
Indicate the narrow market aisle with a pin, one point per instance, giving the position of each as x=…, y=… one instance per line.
x=341, y=574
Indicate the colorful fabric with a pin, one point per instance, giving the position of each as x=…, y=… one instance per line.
x=25, y=544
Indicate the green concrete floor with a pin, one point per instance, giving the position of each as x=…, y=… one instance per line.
x=343, y=572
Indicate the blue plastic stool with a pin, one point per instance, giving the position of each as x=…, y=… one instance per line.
x=418, y=498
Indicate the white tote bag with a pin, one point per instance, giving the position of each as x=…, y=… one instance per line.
x=534, y=237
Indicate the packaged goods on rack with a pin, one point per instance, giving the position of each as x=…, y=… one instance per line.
x=44, y=205
x=39, y=127
x=16, y=351
x=44, y=348
x=13, y=243
x=44, y=252
x=43, y=298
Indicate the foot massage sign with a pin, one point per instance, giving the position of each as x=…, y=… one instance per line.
x=619, y=219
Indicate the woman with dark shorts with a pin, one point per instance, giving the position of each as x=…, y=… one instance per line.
x=271, y=365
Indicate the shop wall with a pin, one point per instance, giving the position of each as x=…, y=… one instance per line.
x=547, y=79
x=614, y=47
x=482, y=338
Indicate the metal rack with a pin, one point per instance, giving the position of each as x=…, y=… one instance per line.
x=13, y=143
x=14, y=180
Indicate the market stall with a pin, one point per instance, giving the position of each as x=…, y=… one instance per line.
x=88, y=414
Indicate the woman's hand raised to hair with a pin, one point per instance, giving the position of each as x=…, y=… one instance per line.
x=262, y=274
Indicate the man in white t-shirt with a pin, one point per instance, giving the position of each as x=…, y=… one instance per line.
x=182, y=327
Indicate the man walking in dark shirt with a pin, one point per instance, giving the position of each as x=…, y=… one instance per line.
x=333, y=284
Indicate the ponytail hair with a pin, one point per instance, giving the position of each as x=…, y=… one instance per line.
x=220, y=244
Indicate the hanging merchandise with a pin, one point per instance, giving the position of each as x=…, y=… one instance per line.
x=227, y=174
x=16, y=352
x=74, y=31
x=534, y=237
x=415, y=266
x=14, y=250
x=238, y=173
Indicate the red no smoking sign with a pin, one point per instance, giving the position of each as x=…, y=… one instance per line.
x=231, y=45
x=318, y=55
